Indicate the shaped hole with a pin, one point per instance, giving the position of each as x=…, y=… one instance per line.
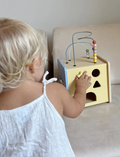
x=90, y=97
x=96, y=85
x=95, y=73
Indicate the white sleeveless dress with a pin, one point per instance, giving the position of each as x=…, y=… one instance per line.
x=34, y=130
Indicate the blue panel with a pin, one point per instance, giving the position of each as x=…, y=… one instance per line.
x=62, y=70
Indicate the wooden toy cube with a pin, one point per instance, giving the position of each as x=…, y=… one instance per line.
x=100, y=89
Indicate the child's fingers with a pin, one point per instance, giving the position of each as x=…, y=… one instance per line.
x=89, y=78
x=84, y=74
x=76, y=78
x=86, y=77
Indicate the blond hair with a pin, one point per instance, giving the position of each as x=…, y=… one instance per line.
x=20, y=44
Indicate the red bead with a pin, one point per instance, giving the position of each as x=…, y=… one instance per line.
x=94, y=42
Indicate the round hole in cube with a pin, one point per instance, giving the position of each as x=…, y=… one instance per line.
x=95, y=72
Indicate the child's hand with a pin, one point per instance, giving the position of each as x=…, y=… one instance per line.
x=83, y=81
x=72, y=106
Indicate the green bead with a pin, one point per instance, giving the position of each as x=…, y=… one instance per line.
x=87, y=50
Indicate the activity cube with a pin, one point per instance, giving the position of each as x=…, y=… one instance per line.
x=99, y=91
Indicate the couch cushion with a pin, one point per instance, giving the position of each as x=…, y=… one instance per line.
x=108, y=45
x=96, y=132
x=49, y=64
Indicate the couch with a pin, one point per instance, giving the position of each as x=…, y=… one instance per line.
x=96, y=131
x=49, y=64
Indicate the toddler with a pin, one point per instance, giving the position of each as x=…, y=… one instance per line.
x=31, y=123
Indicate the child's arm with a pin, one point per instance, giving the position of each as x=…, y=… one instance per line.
x=73, y=106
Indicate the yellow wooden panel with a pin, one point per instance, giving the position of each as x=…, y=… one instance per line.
x=100, y=92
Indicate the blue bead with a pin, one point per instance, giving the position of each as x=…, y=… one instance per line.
x=95, y=51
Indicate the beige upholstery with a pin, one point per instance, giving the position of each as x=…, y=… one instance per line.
x=96, y=132
x=49, y=65
x=108, y=45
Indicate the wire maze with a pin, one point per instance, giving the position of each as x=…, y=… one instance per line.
x=71, y=46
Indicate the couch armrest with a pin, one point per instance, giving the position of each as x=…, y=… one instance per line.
x=49, y=64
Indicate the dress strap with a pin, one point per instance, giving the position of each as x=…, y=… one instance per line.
x=45, y=82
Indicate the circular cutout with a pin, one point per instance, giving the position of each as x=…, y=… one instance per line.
x=95, y=73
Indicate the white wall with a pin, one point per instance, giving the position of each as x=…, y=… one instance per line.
x=48, y=14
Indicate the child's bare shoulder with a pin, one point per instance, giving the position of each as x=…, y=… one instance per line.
x=56, y=88
x=58, y=92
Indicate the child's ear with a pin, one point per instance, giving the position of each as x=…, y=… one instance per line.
x=35, y=64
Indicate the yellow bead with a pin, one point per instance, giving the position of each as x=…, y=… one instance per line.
x=95, y=60
x=94, y=54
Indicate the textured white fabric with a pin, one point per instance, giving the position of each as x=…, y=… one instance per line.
x=34, y=130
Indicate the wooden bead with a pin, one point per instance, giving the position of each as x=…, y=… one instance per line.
x=94, y=48
x=95, y=54
x=95, y=60
x=95, y=51
x=94, y=42
x=95, y=57
x=87, y=50
x=95, y=45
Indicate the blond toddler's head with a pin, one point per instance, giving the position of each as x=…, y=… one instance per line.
x=20, y=44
